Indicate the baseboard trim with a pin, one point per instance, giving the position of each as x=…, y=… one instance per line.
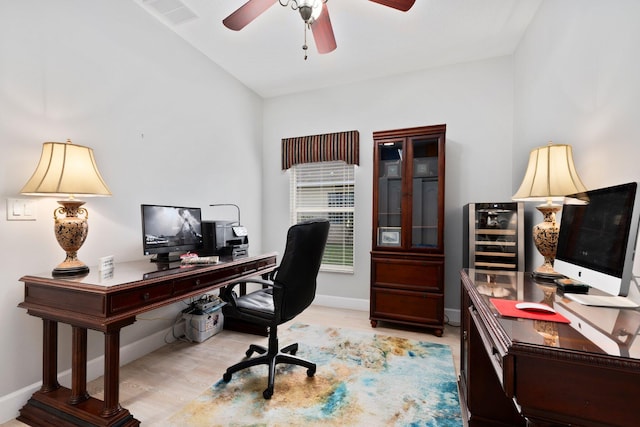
x=451, y=315
x=342, y=302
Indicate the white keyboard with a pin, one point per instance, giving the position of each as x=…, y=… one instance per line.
x=603, y=300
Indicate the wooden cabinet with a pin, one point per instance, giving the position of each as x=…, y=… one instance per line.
x=407, y=256
x=494, y=236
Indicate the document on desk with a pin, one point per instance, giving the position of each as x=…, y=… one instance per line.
x=611, y=301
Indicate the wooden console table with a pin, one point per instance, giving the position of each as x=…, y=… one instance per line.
x=517, y=372
x=108, y=304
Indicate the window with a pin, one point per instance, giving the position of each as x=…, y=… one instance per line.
x=326, y=190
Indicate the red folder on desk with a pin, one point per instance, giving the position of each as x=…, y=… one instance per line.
x=508, y=308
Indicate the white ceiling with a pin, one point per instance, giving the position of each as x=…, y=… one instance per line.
x=373, y=40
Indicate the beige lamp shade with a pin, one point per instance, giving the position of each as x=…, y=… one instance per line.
x=66, y=169
x=550, y=175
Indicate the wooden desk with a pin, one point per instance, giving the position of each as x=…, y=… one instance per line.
x=107, y=305
x=515, y=371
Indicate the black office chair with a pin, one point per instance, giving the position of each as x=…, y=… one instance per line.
x=288, y=291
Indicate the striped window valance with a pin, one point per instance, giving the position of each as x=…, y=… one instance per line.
x=321, y=148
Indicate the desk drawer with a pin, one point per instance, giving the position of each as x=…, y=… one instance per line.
x=186, y=285
x=603, y=396
x=495, y=356
x=265, y=263
x=246, y=268
x=140, y=297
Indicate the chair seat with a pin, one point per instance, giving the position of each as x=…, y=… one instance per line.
x=258, y=303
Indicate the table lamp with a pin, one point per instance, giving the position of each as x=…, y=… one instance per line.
x=550, y=176
x=67, y=169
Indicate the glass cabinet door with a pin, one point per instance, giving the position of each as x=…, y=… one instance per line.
x=425, y=191
x=390, y=170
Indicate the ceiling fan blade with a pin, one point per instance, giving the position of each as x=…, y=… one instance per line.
x=323, y=32
x=402, y=5
x=247, y=13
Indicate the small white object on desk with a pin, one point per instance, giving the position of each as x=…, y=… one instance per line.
x=534, y=306
x=106, y=263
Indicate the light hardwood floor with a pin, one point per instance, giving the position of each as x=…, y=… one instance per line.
x=157, y=385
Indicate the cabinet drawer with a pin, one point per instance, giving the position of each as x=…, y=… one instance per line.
x=408, y=274
x=407, y=306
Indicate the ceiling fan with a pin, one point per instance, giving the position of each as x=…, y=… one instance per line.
x=314, y=13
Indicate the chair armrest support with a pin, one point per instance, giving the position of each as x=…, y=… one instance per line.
x=271, y=275
x=228, y=295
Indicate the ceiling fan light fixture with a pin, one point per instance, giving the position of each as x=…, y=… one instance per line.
x=306, y=12
x=309, y=10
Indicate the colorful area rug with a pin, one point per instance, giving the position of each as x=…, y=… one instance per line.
x=363, y=379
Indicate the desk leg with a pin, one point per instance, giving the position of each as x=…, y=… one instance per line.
x=54, y=405
x=49, y=356
x=79, y=366
x=111, y=373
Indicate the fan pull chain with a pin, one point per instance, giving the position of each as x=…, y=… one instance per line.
x=304, y=46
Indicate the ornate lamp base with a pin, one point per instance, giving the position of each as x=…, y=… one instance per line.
x=71, y=231
x=63, y=270
x=545, y=237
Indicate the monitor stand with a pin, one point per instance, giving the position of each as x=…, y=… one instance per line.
x=634, y=289
x=611, y=301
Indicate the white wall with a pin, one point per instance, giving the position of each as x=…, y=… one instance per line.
x=474, y=100
x=163, y=121
x=577, y=80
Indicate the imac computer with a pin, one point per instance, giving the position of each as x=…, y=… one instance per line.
x=597, y=242
x=169, y=231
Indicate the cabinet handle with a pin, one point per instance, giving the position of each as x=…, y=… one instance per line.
x=197, y=282
x=145, y=296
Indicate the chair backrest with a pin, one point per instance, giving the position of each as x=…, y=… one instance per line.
x=299, y=267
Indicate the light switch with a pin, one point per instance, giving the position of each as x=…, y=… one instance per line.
x=21, y=210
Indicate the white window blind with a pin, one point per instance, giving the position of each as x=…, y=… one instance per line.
x=326, y=190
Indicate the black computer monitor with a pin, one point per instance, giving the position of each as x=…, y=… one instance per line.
x=169, y=231
x=597, y=240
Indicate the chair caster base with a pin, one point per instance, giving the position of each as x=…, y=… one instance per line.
x=291, y=349
x=255, y=349
x=267, y=393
